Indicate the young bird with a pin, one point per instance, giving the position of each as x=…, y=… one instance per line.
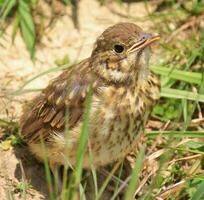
x=123, y=94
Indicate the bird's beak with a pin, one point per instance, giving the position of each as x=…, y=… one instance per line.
x=146, y=40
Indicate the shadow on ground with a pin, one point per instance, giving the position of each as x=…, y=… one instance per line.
x=30, y=169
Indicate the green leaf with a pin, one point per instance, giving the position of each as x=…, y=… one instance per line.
x=199, y=194
x=6, y=8
x=195, y=145
x=197, y=8
x=27, y=26
x=158, y=110
x=1, y=2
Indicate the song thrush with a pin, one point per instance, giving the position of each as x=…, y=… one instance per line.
x=124, y=92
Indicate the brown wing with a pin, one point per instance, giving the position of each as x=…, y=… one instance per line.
x=65, y=94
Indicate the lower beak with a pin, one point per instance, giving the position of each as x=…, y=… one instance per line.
x=143, y=43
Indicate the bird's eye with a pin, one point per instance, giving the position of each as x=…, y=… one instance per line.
x=118, y=48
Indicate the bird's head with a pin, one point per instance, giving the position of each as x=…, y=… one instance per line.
x=121, y=53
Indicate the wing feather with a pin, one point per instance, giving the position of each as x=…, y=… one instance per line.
x=46, y=114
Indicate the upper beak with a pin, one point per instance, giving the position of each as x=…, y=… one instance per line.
x=146, y=40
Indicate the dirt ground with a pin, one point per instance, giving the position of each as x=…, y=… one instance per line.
x=16, y=68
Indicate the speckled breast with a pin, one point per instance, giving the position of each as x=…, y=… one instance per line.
x=118, y=123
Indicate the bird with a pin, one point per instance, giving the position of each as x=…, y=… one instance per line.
x=123, y=94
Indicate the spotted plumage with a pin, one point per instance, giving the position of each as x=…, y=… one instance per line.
x=124, y=92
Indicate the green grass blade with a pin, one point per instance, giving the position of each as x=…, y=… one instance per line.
x=189, y=77
x=47, y=170
x=199, y=194
x=16, y=24
x=65, y=186
x=81, y=146
x=53, y=69
x=176, y=134
x=94, y=175
x=107, y=180
x=180, y=94
x=135, y=175
x=27, y=26
x=83, y=139
x=82, y=192
x=6, y=8
x=117, y=189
